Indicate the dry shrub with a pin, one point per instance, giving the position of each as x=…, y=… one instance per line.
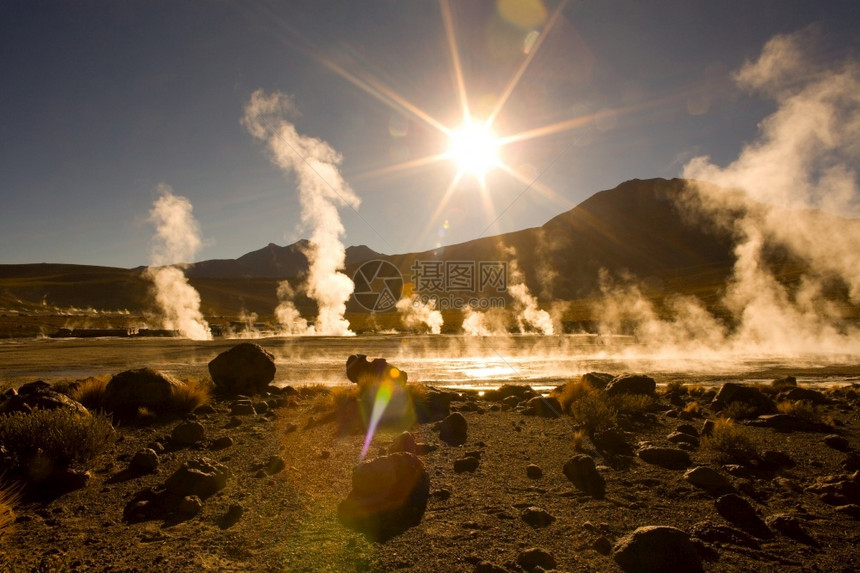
x=693, y=408
x=579, y=440
x=9, y=497
x=739, y=411
x=675, y=387
x=802, y=409
x=730, y=442
x=632, y=404
x=90, y=392
x=190, y=395
x=64, y=437
x=571, y=392
x=594, y=411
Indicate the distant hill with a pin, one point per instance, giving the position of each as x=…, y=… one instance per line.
x=635, y=228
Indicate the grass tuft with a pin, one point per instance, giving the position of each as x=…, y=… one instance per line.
x=730, y=442
x=801, y=409
x=61, y=436
x=739, y=411
x=90, y=392
x=675, y=387
x=594, y=411
x=189, y=396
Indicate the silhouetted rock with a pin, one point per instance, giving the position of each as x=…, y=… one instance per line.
x=738, y=511
x=536, y=557
x=144, y=387
x=533, y=471
x=144, y=461
x=837, y=442
x=731, y=392
x=405, y=442
x=453, y=429
x=187, y=433
x=246, y=368
x=543, y=406
x=201, y=477
x=506, y=391
x=657, y=549
x=466, y=464
x=537, y=517
x=707, y=478
x=243, y=407
x=672, y=458
x=360, y=371
x=581, y=471
x=631, y=384
x=782, y=383
x=389, y=494
x=39, y=396
x=597, y=380
x=723, y=534
x=806, y=395
x=612, y=441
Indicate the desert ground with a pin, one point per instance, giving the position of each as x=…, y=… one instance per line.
x=786, y=497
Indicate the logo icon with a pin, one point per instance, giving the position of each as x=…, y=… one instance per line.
x=378, y=285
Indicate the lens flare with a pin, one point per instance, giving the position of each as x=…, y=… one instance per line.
x=380, y=404
x=474, y=148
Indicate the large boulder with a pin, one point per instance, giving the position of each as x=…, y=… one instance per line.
x=389, y=495
x=244, y=369
x=39, y=396
x=657, y=549
x=631, y=384
x=731, y=392
x=364, y=373
x=144, y=387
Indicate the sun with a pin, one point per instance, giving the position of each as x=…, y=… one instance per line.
x=474, y=148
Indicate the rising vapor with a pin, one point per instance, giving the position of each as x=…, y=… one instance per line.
x=801, y=168
x=177, y=239
x=414, y=313
x=321, y=191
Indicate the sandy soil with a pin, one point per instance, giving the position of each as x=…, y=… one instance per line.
x=289, y=518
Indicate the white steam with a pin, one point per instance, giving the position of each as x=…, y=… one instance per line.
x=415, y=313
x=529, y=316
x=322, y=190
x=802, y=166
x=493, y=322
x=287, y=315
x=177, y=239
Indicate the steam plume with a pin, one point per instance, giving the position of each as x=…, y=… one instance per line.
x=415, y=313
x=529, y=315
x=321, y=191
x=177, y=239
x=801, y=166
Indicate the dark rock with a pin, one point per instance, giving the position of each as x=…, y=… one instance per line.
x=537, y=517
x=144, y=387
x=389, y=494
x=275, y=464
x=244, y=369
x=852, y=510
x=789, y=526
x=785, y=423
x=836, y=490
x=597, y=380
x=657, y=549
x=672, y=458
x=688, y=429
x=544, y=407
x=190, y=505
x=201, y=477
x=68, y=479
x=453, y=429
x=467, y=464
x=777, y=459
x=602, y=545
x=837, y=442
x=360, y=371
x=260, y=407
x=731, y=392
x=707, y=428
x=242, y=408
x=487, y=567
x=204, y=410
x=144, y=461
x=536, y=557
x=405, y=442
x=511, y=402
x=39, y=396
x=612, y=441
x=787, y=382
x=683, y=438
x=707, y=478
x=631, y=384
x=581, y=471
x=432, y=404
x=534, y=472
x=724, y=535
x=187, y=433
x=221, y=443
x=233, y=515
x=804, y=394
x=506, y=391
x=738, y=511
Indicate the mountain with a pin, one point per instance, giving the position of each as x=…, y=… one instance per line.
x=272, y=261
x=638, y=228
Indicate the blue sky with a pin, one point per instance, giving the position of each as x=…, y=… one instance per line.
x=102, y=101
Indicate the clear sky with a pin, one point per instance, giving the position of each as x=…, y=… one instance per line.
x=100, y=102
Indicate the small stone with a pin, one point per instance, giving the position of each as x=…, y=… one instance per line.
x=707, y=428
x=243, y=408
x=453, y=429
x=405, y=442
x=738, y=511
x=275, y=464
x=687, y=429
x=536, y=557
x=466, y=464
x=187, y=433
x=837, y=442
x=144, y=461
x=233, y=515
x=683, y=438
x=486, y=566
x=221, y=443
x=537, y=517
x=707, y=478
x=602, y=545
x=190, y=505
x=581, y=471
x=657, y=549
x=533, y=471
x=665, y=457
